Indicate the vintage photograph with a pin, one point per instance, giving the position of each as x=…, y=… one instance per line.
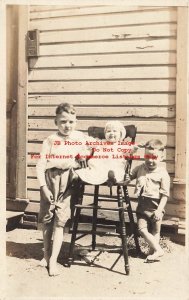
x=96, y=165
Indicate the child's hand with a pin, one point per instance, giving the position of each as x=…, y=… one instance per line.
x=135, y=147
x=127, y=177
x=48, y=196
x=82, y=161
x=157, y=215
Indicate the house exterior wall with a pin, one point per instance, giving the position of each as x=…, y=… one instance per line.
x=111, y=62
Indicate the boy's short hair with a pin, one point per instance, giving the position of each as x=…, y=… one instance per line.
x=65, y=107
x=154, y=144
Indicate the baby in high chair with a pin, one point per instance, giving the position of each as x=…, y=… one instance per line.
x=108, y=162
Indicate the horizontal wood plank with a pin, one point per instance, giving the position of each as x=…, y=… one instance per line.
x=104, y=73
x=93, y=21
x=99, y=60
x=117, y=112
x=40, y=8
x=103, y=100
x=162, y=126
x=64, y=11
x=146, y=45
x=162, y=85
x=117, y=33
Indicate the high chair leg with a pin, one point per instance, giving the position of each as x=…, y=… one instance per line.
x=131, y=219
x=123, y=230
x=75, y=223
x=94, y=220
x=74, y=233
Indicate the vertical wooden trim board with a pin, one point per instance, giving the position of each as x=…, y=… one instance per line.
x=22, y=103
x=179, y=191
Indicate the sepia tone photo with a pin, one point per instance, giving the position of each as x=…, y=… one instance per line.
x=96, y=165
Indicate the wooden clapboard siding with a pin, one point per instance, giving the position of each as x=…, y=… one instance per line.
x=101, y=60
x=103, y=73
x=111, y=62
x=107, y=100
x=141, y=45
x=51, y=12
x=117, y=112
x=143, y=125
x=49, y=8
x=118, y=33
x=103, y=86
x=96, y=21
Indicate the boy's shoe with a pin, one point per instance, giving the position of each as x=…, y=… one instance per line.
x=155, y=256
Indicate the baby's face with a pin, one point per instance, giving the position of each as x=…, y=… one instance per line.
x=152, y=158
x=112, y=134
x=66, y=123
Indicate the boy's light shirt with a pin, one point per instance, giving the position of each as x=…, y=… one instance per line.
x=50, y=148
x=154, y=183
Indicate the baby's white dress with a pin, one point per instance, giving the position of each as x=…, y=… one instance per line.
x=98, y=168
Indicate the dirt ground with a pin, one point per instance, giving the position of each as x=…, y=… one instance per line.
x=166, y=279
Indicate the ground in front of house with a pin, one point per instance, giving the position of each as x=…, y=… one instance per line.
x=25, y=278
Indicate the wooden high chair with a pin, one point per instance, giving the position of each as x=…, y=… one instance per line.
x=122, y=200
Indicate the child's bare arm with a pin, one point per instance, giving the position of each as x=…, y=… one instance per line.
x=42, y=162
x=164, y=191
x=132, y=175
x=128, y=178
x=47, y=195
x=160, y=209
x=40, y=169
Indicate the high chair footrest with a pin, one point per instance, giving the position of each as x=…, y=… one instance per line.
x=100, y=208
x=108, y=200
x=96, y=232
x=100, y=228
x=86, y=206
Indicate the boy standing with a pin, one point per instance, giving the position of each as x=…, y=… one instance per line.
x=152, y=189
x=53, y=171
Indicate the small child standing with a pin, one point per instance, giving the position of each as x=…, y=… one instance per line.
x=152, y=189
x=54, y=167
